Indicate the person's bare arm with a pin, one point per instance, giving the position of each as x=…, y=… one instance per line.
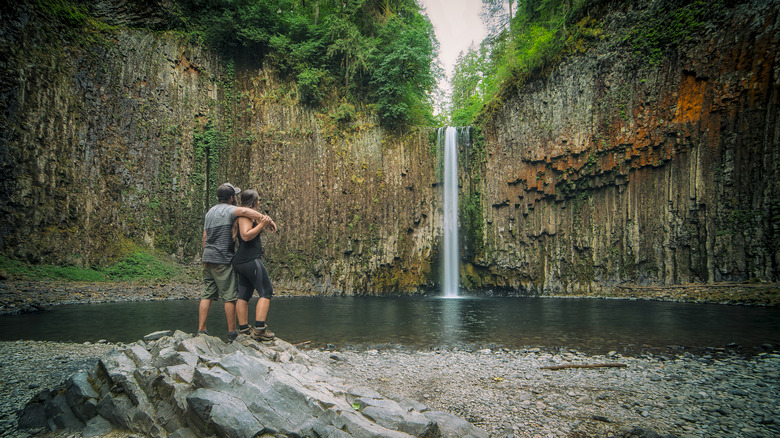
x=248, y=232
x=249, y=212
x=204, y=239
x=271, y=225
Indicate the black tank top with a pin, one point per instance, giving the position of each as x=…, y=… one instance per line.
x=248, y=251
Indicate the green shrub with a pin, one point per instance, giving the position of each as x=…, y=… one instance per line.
x=311, y=87
x=15, y=268
x=345, y=113
x=140, y=266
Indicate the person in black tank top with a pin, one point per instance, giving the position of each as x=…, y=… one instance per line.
x=252, y=274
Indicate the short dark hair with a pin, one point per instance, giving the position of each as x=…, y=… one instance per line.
x=225, y=192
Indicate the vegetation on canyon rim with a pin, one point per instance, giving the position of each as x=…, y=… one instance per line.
x=378, y=53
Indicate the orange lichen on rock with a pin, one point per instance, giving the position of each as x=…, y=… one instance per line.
x=690, y=102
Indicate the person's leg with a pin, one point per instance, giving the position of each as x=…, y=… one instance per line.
x=227, y=284
x=261, y=310
x=210, y=292
x=265, y=289
x=246, y=288
x=242, y=311
x=230, y=313
x=203, y=314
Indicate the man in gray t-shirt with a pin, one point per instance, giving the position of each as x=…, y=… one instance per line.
x=219, y=279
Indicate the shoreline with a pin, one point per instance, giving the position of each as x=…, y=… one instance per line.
x=20, y=296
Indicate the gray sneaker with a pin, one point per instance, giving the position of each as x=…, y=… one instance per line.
x=262, y=335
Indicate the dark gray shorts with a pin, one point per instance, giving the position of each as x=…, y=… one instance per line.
x=253, y=276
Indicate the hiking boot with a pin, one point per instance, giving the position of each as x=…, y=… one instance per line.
x=232, y=336
x=263, y=335
x=245, y=331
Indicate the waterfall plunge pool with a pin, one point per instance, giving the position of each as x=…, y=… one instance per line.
x=593, y=326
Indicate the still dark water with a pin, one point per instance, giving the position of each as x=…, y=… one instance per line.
x=589, y=325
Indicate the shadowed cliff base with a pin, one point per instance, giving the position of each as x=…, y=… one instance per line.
x=20, y=296
x=763, y=294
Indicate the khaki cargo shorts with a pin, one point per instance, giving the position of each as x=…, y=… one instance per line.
x=219, y=281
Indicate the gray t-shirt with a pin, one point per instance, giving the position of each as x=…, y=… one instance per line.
x=219, y=234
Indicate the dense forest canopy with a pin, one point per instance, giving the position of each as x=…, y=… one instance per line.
x=376, y=52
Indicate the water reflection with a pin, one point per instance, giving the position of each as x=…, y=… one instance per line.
x=427, y=322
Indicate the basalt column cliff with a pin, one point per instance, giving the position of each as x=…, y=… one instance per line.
x=636, y=162
x=117, y=129
x=647, y=154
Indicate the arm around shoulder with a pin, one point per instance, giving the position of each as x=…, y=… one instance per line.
x=248, y=212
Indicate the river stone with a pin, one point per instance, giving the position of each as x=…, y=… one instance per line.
x=97, y=426
x=181, y=385
x=157, y=335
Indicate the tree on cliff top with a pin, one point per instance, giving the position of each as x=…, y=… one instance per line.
x=524, y=35
x=376, y=52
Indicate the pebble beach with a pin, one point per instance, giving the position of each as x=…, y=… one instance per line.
x=523, y=393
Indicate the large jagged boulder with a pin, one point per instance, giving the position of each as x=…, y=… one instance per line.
x=182, y=385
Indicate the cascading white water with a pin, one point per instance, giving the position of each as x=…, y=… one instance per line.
x=451, y=253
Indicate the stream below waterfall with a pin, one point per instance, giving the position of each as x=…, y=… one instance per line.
x=588, y=325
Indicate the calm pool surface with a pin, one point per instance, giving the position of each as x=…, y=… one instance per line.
x=589, y=325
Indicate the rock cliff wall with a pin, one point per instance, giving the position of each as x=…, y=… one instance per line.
x=356, y=208
x=613, y=168
x=619, y=168
x=115, y=135
x=97, y=142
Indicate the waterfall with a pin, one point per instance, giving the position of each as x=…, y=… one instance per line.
x=451, y=252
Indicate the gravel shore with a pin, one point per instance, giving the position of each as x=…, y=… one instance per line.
x=30, y=296
x=507, y=393
x=510, y=393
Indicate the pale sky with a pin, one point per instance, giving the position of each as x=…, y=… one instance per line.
x=457, y=24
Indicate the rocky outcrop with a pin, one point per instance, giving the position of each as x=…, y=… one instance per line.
x=617, y=167
x=178, y=385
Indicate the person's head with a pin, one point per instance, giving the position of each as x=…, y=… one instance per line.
x=226, y=194
x=249, y=198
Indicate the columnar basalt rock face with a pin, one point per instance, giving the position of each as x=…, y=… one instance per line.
x=356, y=208
x=98, y=140
x=613, y=170
x=120, y=137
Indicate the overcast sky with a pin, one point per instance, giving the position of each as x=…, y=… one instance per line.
x=457, y=24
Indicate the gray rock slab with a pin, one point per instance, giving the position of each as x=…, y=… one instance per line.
x=97, y=426
x=157, y=335
x=181, y=385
